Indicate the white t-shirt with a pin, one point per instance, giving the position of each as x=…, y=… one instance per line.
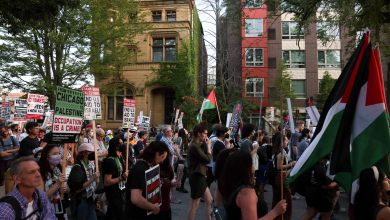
x=30, y=209
x=22, y=136
x=255, y=158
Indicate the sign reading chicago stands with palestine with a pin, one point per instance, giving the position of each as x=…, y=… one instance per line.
x=68, y=115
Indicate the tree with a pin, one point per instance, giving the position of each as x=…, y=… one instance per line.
x=326, y=86
x=68, y=49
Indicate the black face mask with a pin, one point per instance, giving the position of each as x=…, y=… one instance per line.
x=226, y=135
x=91, y=156
x=122, y=148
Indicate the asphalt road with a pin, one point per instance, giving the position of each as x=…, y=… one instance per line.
x=179, y=211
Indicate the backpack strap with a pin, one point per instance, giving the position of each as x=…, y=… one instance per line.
x=14, y=204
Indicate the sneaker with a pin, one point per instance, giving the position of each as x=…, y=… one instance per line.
x=340, y=210
x=175, y=200
x=295, y=197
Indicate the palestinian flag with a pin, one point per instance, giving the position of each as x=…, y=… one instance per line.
x=353, y=124
x=209, y=103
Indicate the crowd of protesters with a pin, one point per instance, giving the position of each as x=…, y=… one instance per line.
x=36, y=187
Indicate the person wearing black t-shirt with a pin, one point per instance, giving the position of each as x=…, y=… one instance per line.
x=139, y=147
x=115, y=175
x=31, y=141
x=136, y=202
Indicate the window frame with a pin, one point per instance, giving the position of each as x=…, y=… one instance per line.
x=156, y=14
x=254, y=87
x=299, y=95
x=115, y=96
x=6, y=98
x=254, y=57
x=330, y=36
x=254, y=28
x=254, y=4
x=164, y=47
x=326, y=63
x=290, y=36
x=170, y=13
x=288, y=65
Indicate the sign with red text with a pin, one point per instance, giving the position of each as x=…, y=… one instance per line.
x=20, y=114
x=6, y=110
x=35, y=106
x=68, y=115
x=92, y=106
x=128, y=112
x=153, y=186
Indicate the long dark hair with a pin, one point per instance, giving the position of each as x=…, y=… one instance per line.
x=221, y=160
x=278, y=143
x=113, y=144
x=236, y=172
x=367, y=197
x=149, y=152
x=182, y=134
x=166, y=166
x=44, y=163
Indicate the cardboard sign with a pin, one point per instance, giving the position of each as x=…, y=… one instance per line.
x=180, y=120
x=176, y=115
x=6, y=110
x=92, y=106
x=20, y=103
x=153, y=186
x=272, y=113
x=144, y=123
x=48, y=119
x=20, y=114
x=68, y=115
x=35, y=106
x=128, y=112
x=236, y=118
x=228, y=118
x=312, y=111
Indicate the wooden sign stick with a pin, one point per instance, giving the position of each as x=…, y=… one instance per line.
x=95, y=147
x=64, y=165
x=127, y=150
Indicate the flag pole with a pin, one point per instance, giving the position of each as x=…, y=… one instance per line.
x=127, y=149
x=64, y=165
x=220, y=122
x=261, y=105
x=95, y=147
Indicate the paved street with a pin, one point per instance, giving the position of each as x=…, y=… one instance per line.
x=179, y=211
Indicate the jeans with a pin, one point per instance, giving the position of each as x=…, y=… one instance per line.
x=85, y=210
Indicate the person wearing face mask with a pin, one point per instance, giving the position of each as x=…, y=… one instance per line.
x=115, y=175
x=81, y=182
x=52, y=180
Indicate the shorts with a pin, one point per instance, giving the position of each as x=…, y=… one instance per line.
x=262, y=169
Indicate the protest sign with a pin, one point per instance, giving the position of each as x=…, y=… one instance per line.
x=144, y=123
x=20, y=103
x=48, y=119
x=20, y=114
x=5, y=110
x=92, y=104
x=153, y=186
x=176, y=115
x=312, y=111
x=236, y=119
x=128, y=113
x=228, y=118
x=68, y=115
x=180, y=121
x=272, y=113
x=35, y=106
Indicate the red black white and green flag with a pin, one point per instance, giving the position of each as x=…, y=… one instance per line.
x=354, y=122
x=208, y=103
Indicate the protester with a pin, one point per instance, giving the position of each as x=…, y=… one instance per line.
x=31, y=141
x=160, y=135
x=281, y=162
x=80, y=182
x=320, y=194
x=52, y=179
x=41, y=134
x=265, y=155
x=115, y=175
x=220, y=144
x=101, y=150
x=139, y=147
x=299, y=126
x=120, y=131
x=80, y=140
x=98, y=125
x=219, y=165
x=33, y=202
x=182, y=142
x=213, y=139
x=167, y=138
x=303, y=142
x=265, y=133
x=15, y=131
x=280, y=131
x=257, y=139
x=23, y=135
x=369, y=202
x=197, y=166
x=9, y=148
x=247, y=145
x=48, y=129
x=137, y=204
x=153, y=131
x=109, y=136
x=88, y=135
x=238, y=181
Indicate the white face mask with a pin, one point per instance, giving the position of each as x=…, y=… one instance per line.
x=91, y=134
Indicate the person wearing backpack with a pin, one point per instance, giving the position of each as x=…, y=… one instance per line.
x=8, y=151
x=26, y=200
x=236, y=184
x=115, y=175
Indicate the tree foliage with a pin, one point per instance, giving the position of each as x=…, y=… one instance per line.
x=326, y=86
x=69, y=48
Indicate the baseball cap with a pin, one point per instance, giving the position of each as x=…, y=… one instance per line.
x=89, y=126
x=264, y=131
x=86, y=147
x=108, y=132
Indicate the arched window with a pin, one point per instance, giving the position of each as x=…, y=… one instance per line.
x=115, y=103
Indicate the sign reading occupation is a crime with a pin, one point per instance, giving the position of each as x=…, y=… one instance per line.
x=153, y=186
x=6, y=110
x=92, y=109
x=35, y=106
x=68, y=115
x=128, y=112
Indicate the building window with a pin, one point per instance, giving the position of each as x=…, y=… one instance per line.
x=254, y=57
x=299, y=87
x=115, y=103
x=164, y=49
x=133, y=58
x=325, y=30
x=156, y=16
x=294, y=59
x=253, y=27
x=253, y=118
x=290, y=31
x=254, y=87
x=8, y=98
x=329, y=59
x=171, y=16
x=133, y=17
x=254, y=4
